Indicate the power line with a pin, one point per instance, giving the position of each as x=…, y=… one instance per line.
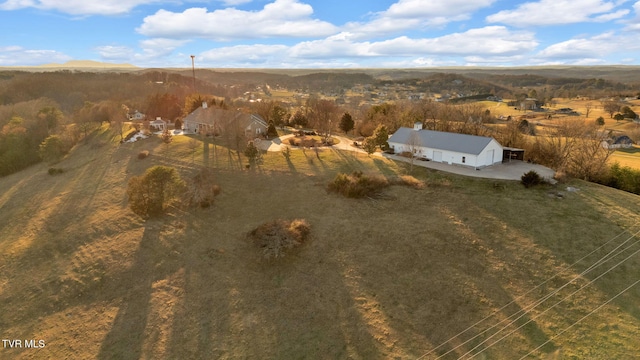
x=523, y=295
x=582, y=318
x=545, y=311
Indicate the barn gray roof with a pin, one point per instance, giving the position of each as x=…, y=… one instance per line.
x=211, y=116
x=462, y=143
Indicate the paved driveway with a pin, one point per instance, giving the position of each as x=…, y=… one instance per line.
x=507, y=171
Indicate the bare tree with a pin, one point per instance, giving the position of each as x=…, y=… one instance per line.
x=324, y=113
x=414, y=142
x=611, y=107
x=561, y=140
x=589, y=159
x=587, y=109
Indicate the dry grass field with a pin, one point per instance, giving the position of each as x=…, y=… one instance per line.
x=391, y=277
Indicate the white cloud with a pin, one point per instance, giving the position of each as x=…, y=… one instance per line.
x=416, y=14
x=235, y=2
x=491, y=40
x=556, y=12
x=17, y=55
x=160, y=47
x=634, y=25
x=245, y=54
x=111, y=52
x=281, y=18
x=79, y=7
x=342, y=51
x=434, y=8
x=596, y=47
x=612, y=16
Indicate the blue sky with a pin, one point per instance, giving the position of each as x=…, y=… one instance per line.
x=321, y=33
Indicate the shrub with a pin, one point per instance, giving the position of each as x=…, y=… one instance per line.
x=55, y=171
x=151, y=193
x=52, y=149
x=202, y=189
x=410, y=181
x=530, y=179
x=276, y=237
x=357, y=185
x=143, y=154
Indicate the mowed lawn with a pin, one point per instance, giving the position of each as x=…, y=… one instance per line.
x=627, y=157
x=390, y=277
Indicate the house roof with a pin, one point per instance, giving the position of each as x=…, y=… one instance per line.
x=217, y=116
x=622, y=139
x=462, y=143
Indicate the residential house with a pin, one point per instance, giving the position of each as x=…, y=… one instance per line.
x=618, y=142
x=214, y=121
x=136, y=116
x=451, y=148
x=158, y=124
x=529, y=104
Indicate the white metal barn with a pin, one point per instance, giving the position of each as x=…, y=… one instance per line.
x=445, y=147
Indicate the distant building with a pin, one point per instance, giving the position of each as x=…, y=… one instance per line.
x=529, y=104
x=618, y=142
x=136, y=116
x=158, y=124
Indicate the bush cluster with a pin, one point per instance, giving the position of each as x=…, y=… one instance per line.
x=530, y=179
x=410, y=181
x=143, y=154
x=202, y=189
x=622, y=177
x=276, y=237
x=55, y=171
x=151, y=193
x=358, y=185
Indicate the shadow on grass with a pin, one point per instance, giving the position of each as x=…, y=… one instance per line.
x=632, y=150
x=126, y=338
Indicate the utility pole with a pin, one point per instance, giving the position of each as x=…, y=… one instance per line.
x=193, y=68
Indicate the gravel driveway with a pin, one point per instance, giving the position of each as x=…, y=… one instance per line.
x=506, y=171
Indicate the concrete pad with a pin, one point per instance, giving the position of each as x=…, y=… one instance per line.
x=512, y=170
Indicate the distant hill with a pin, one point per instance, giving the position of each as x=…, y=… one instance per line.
x=84, y=64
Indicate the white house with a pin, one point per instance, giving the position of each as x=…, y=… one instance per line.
x=136, y=116
x=158, y=124
x=445, y=147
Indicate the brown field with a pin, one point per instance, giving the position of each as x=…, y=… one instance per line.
x=391, y=277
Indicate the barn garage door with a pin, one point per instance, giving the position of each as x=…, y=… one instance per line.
x=437, y=156
x=490, y=157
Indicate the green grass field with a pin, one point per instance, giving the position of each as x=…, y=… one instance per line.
x=627, y=157
x=391, y=277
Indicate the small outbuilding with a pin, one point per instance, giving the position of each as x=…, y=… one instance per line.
x=510, y=154
x=445, y=147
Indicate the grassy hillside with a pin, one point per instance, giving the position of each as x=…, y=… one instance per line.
x=393, y=277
